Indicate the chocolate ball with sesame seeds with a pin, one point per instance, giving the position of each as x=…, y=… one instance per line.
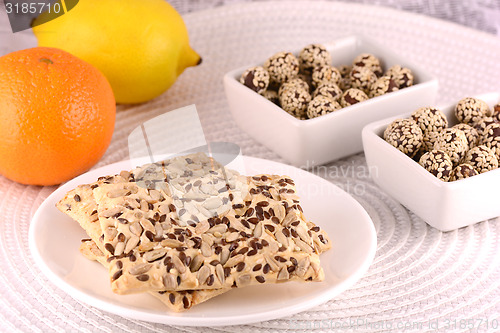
x=482, y=123
x=463, y=171
x=471, y=134
x=329, y=90
x=405, y=135
x=470, y=110
x=345, y=83
x=352, y=96
x=453, y=142
x=383, y=85
x=402, y=76
x=438, y=163
x=430, y=139
x=362, y=78
x=345, y=70
x=481, y=158
x=307, y=78
x=272, y=95
x=255, y=78
x=320, y=106
x=294, y=100
x=395, y=124
x=431, y=121
x=312, y=56
x=368, y=61
x=496, y=112
x=325, y=74
x=282, y=67
x=491, y=138
x=295, y=82
x=419, y=154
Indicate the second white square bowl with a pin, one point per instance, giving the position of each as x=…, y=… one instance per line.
x=443, y=205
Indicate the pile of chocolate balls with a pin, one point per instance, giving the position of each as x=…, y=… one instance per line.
x=309, y=86
x=450, y=153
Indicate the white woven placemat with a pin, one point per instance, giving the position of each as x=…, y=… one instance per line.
x=420, y=277
x=478, y=14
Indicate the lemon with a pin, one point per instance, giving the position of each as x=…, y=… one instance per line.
x=141, y=46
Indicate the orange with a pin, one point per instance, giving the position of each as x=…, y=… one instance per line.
x=57, y=116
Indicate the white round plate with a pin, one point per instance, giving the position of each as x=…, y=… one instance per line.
x=55, y=238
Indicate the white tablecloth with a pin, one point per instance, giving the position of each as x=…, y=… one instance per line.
x=420, y=277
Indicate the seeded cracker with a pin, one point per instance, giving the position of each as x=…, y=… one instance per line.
x=306, y=78
x=215, y=253
x=176, y=300
x=82, y=207
x=77, y=198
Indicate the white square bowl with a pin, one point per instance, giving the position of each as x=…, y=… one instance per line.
x=305, y=143
x=443, y=205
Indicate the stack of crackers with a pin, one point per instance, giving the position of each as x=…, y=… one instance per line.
x=187, y=229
